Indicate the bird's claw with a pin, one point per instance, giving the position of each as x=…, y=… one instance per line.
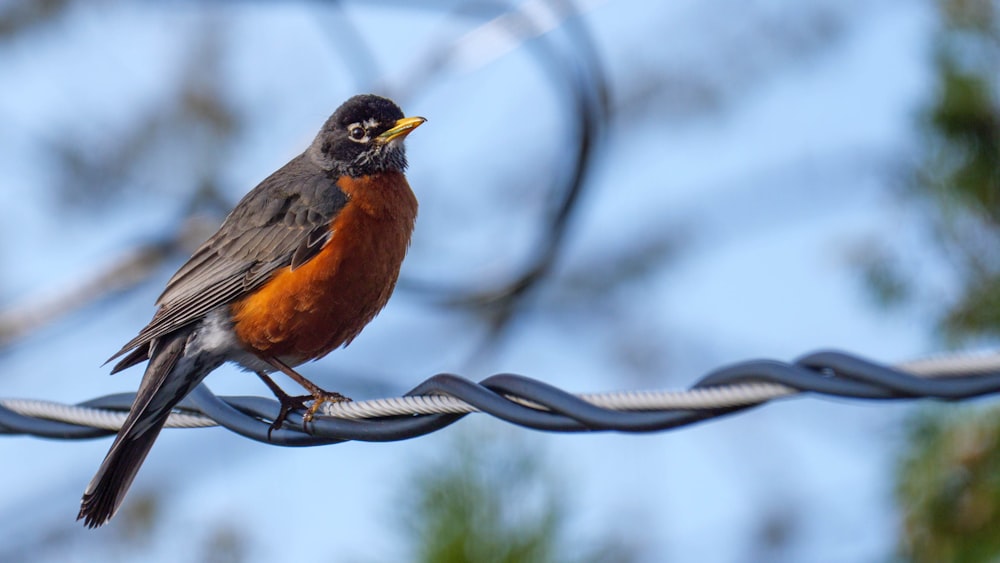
x=288, y=404
x=318, y=400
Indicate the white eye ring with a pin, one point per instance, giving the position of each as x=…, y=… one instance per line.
x=357, y=133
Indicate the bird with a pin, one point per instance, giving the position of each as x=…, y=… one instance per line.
x=298, y=268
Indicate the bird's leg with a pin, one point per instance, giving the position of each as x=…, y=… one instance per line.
x=288, y=402
x=319, y=395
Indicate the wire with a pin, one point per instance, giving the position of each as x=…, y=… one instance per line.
x=443, y=399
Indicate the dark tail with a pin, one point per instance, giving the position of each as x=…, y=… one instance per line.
x=163, y=386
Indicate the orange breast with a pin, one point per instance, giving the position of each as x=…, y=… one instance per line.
x=303, y=314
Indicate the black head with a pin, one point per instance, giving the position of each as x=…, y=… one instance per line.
x=364, y=136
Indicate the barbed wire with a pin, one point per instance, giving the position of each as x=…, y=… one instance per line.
x=443, y=399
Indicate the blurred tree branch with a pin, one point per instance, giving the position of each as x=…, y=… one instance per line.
x=21, y=16
x=125, y=273
x=578, y=78
x=199, y=117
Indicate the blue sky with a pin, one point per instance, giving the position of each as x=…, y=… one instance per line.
x=768, y=151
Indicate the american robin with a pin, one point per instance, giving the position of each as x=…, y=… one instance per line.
x=297, y=269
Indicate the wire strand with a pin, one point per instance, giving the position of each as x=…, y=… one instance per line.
x=443, y=399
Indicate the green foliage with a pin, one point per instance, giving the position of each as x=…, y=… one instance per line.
x=882, y=273
x=961, y=169
x=957, y=181
x=949, y=487
x=967, y=121
x=493, y=500
x=978, y=311
x=949, y=482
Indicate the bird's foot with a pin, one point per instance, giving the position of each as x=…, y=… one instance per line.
x=319, y=397
x=288, y=404
x=316, y=394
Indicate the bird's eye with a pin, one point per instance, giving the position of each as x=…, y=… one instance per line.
x=357, y=133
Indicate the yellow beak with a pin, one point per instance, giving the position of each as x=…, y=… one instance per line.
x=401, y=129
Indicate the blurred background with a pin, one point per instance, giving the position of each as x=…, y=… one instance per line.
x=614, y=195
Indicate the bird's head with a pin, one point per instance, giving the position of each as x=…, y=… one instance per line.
x=364, y=136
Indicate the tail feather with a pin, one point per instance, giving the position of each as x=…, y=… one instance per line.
x=107, y=490
x=164, y=384
x=137, y=356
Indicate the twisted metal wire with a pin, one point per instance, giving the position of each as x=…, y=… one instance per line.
x=445, y=398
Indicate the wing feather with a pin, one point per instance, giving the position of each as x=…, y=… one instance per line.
x=282, y=222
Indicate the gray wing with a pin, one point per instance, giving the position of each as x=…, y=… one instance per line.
x=282, y=222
